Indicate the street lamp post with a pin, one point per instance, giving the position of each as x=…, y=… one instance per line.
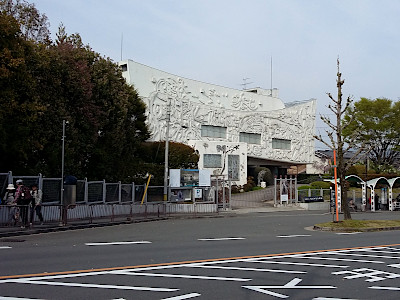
x=167, y=151
x=62, y=162
x=63, y=209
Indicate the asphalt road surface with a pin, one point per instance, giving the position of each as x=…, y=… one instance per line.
x=249, y=256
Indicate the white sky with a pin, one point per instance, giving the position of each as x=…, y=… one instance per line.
x=222, y=42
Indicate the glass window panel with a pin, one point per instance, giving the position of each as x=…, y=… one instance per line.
x=213, y=131
x=250, y=138
x=281, y=144
x=212, y=161
x=233, y=167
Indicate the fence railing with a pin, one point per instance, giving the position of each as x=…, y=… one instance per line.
x=13, y=215
x=102, y=192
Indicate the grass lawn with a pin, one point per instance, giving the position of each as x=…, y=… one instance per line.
x=354, y=225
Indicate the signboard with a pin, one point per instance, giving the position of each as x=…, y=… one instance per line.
x=189, y=177
x=313, y=199
x=204, y=178
x=198, y=193
x=175, y=178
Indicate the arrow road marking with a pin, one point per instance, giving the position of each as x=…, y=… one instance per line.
x=290, y=285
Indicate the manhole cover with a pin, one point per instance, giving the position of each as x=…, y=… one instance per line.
x=12, y=240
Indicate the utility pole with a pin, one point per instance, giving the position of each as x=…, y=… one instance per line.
x=167, y=150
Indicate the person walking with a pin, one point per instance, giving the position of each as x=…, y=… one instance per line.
x=9, y=200
x=37, y=196
x=23, y=198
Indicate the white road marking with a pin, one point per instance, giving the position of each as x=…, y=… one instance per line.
x=293, y=235
x=183, y=276
x=6, y=247
x=379, y=251
x=388, y=288
x=117, y=243
x=371, y=274
x=343, y=259
x=250, y=269
x=15, y=298
x=301, y=264
x=290, y=285
x=348, y=233
x=99, y=286
x=323, y=298
x=364, y=255
x=187, y=296
x=222, y=239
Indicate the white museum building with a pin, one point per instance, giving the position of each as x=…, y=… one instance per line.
x=234, y=131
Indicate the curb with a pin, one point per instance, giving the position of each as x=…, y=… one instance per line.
x=348, y=229
x=71, y=227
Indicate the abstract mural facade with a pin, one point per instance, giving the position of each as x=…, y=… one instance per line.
x=226, y=126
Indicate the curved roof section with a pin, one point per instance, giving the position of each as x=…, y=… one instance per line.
x=373, y=182
x=145, y=79
x=392, y=181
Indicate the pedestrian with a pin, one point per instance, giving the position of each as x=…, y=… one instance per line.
x=36, y=204
x=23, y=198
x=377, y=202
x=9, y=200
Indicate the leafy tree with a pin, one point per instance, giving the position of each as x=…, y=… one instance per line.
x=42, y=84
x=18, y=60
x=33, y=25
x=153, y=157
x=378, y=121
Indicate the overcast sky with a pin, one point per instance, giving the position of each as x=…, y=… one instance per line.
x=224, y=42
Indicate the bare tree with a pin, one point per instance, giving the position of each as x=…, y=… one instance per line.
x=338, y=142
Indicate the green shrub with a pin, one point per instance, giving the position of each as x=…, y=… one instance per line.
x=256, y=188
x=320, y=185
x=304, y=187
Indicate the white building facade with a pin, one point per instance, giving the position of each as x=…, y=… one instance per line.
x=234, y=131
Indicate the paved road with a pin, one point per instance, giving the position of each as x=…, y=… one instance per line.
x=250, y=256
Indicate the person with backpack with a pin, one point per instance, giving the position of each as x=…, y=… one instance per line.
x=23, y=198
x=9, y=200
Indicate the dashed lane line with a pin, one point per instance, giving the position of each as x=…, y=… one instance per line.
x=293, y=235
x=222, y=239
x=117, y=243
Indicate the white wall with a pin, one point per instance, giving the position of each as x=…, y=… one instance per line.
x=193, y=104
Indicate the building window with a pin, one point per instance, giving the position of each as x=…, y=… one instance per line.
x=212, y=161
x=250, y=138
x=281, y=144
x=233, y=167
x=124, y=67
x=213, y=131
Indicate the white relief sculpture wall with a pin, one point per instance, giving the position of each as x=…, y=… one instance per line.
x=189, y=104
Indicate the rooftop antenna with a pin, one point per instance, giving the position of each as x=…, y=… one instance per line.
x=245, y=83
x=122, y=39
x=271, y=75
